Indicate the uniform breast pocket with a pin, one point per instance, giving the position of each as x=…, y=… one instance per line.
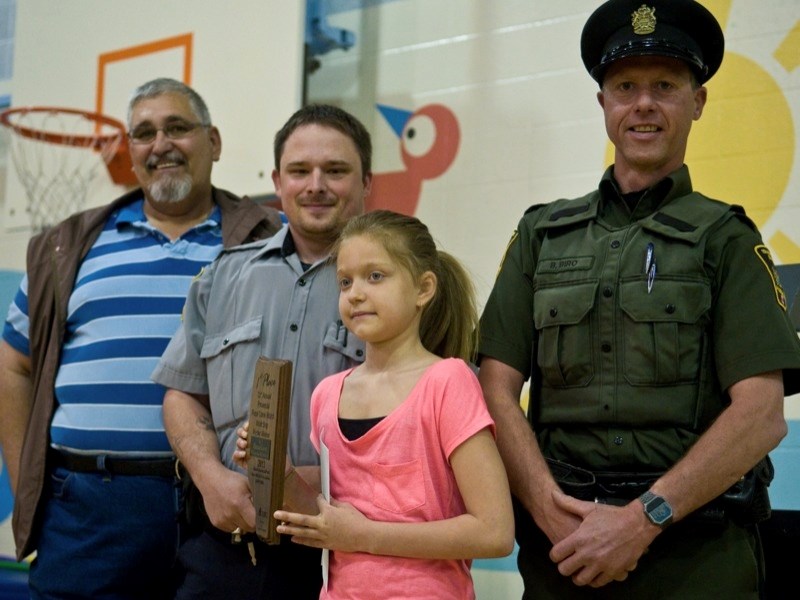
x=342, y=346
x=398, y=488
x=242, y=340
x=564, y=321
x=663, y=330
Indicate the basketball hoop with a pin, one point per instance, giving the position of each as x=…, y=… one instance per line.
x=49, y=149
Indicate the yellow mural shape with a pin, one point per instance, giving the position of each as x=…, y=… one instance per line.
x=788, y=53
x=742, y=148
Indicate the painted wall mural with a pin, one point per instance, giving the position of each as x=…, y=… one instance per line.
x=429, y=139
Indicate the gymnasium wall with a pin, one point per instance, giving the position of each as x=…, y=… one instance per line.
x=478, y=110
x=531, y=129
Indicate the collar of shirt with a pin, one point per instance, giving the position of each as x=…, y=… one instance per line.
x=133, y=215
x=614, y=208
x=282, y=244
x=288, y=248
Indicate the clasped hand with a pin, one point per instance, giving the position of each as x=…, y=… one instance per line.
x=606, y=545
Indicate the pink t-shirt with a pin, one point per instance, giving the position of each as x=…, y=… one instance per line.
x=399, y=471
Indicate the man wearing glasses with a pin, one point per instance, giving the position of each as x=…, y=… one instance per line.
x=96, y=493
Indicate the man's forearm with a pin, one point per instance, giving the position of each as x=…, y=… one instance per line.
x=226, y=493
x=528, y=474
x=190, y=431
x=16, y=399
x=743, y=434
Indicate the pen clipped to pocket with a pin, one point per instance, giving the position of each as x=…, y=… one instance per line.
x=650, y=265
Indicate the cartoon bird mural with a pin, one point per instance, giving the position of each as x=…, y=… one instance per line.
x=400, y=190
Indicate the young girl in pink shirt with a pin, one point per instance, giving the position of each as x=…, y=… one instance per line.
x=417, y=485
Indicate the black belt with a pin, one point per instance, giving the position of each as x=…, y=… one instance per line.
x=113, y=465
x=619, y=489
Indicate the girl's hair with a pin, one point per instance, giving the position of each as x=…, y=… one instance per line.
x=449, y=322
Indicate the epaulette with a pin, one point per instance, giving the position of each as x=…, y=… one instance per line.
x=247, y=246
x=534, y=207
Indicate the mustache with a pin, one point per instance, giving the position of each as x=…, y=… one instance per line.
x=172, y=156
x=316, y=199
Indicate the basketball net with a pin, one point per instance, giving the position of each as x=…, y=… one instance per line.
x=57, y=152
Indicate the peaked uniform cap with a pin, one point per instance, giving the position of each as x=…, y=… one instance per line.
x=682, y=29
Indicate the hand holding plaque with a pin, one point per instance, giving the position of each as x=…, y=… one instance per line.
x=267, y=435
x=273, y=480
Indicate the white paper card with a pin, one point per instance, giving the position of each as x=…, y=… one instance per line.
x=325, y=483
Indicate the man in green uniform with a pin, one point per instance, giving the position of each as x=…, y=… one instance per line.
x=654, y=331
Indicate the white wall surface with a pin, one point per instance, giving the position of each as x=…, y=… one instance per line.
x=531, y=128
x=246, y=62
x=510, y=71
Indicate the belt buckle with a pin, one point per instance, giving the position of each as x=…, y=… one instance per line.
x=236, y=536
x=102, y=467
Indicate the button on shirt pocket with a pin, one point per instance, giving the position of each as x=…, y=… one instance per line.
x=663, y=330
x=398, y=488
x=218, y=349
x=342, y=342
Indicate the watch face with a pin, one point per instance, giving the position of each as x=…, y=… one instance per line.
x=660, y=512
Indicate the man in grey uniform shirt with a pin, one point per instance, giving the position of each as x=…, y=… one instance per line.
x=277, y=298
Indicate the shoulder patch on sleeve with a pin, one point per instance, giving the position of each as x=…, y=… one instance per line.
x=764, y=255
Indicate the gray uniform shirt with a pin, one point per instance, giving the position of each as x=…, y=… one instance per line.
x=254, y=300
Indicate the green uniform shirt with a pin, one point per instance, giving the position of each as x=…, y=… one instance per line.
x=633, y=359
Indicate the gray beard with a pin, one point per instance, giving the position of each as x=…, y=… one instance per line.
x=171, y=189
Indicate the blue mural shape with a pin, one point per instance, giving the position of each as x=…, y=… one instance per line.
x=396, y=117
x=9, y=282
x=6, y=499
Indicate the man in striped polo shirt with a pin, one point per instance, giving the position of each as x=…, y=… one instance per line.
x=93, y=474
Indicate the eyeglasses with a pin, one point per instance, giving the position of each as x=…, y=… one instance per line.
x=175, y=130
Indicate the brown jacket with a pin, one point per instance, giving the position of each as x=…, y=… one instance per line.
x=53, y=259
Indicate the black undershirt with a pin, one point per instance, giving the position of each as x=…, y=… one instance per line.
x=632, y=198
x=353, y=429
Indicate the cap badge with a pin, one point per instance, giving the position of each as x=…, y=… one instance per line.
x=643, y=20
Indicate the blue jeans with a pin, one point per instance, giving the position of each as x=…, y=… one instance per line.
x=108, y=537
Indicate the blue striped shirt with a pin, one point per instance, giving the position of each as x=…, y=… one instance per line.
x=124, y=309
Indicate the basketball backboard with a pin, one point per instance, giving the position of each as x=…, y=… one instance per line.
x=244, y=59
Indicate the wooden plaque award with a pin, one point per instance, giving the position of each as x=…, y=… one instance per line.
x=267, y=436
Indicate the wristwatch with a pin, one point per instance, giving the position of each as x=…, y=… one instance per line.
x=657, y=509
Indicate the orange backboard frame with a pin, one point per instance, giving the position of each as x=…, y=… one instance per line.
x=120, y=167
